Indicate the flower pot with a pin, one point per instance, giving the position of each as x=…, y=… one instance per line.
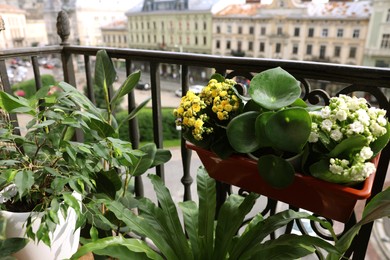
x=327, y=199
x=64, y=240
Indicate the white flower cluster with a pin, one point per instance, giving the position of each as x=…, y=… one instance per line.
x=346, y=117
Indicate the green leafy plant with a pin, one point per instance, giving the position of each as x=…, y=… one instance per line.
x=8, y=246
x=207, y=237
x=42, y=168
x=278, y=129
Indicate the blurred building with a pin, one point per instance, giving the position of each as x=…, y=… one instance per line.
x=377, y=52
x=115, y=34
x=172, y=25
x=14, y=35
x=290, y=29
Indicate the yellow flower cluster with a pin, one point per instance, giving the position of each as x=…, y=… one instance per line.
x=189, y=115
x=222, y=98
x=192, y=111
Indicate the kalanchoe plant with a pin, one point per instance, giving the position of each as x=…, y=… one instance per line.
x=345, y=136
x=43, y=167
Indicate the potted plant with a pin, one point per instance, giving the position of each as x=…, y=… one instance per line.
x=206, y=236
x=43, y=169
x=278, y=129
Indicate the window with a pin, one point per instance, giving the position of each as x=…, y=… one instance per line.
x=217, y=44
x=322, y=51
x=337, y=51
x=229, y=29
x=279, y=31
x=356, y=33
x=388, y=16
x=262, y=47
x=340, y=33
x=295, y=49
x=218, y=29
x=251, y=30
x=239, y=30
x=309, y=49
x=239, y=45
x=262, y=31
x=385, y=43
x=324, y=32
x=250, y=46
x=204, y=26
x=352, y=52
x=228, y=45
x=196, y=26
x=204, y=40
x=162, y=25
x=310, y=32
x=296, y=31
x=196, y=40
x=278, y=47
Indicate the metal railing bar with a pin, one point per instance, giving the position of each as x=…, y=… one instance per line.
x=32, y=51
x=88, y=77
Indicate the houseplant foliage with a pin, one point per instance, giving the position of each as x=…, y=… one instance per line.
x=275, y=126
x=204, y=237
x=42, y=168
x=8, y=246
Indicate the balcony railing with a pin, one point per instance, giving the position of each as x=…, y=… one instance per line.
x=319, y=81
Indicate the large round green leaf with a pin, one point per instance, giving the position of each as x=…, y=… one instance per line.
x=261, y=136
x=241, y=132
x=276, y=171
x=289, y=129
x=274, y=88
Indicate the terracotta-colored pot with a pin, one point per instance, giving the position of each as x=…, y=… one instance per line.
x=327, y=199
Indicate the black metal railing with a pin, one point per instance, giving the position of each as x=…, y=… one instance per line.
x=319, y=79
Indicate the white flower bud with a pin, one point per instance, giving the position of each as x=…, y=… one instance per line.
x=366, y=153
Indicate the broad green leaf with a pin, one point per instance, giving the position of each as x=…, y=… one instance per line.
x=141, y=227
x=381, y=141
x=260, y=129
x=207, y=205
x=349, y=145
x=180, y=244
x=230, y=219
x=118, y=247
x=276, y=171
x=289, y=129
x=241, y=132
x=24, y=180
x=161, y=156
x=299, y=103
x=377, y=208
x=218, y=77
x=13, y=104
x=103, y=128
x=190, y=215
x=105, y=74
x=108, y=182
x=127, y=86
x=290, y=246
x=146, y=161
x=11, y=245
x=274, y=88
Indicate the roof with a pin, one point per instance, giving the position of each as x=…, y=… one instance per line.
x=360, y=9
x=116, y=25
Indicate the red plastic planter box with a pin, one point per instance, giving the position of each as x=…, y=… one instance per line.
x=327, y=199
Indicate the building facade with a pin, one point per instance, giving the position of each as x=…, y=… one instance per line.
x=377, y=52
x=115, y=34
x=176, y=25
x=290, y=29
x=14, y=35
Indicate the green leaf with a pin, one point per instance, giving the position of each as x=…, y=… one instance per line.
x=218, y=77
x=108, y=182
x=105, y=73
x=378, y=207
x=230, y=219
x=127, y=86
x=290, y=246
x=162, y=156
x=146, y=161
x=11, y=245
x=260, y=129
x=180, y=244
x=276, y=171
x=13, y=104
x=207, y=206
x=103, y=128
x=349, y=145
x=381, y=141
x=191, y=223
x=289, y=129
x=140, y=226
x=24, y=180
x=134, y=112
x=274, y=88
x=241, y=132
x=118, y=247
